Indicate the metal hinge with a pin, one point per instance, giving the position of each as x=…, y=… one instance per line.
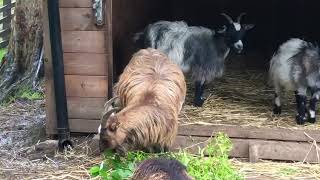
x=98, y=12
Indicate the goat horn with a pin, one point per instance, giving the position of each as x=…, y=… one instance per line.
x=240, y=16
x=228, y=17
x=106, y=116
x=109, y=103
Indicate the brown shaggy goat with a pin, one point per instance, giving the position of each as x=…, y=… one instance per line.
x=161, y=169
x=151, y=91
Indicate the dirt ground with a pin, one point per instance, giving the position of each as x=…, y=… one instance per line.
x=22, y=125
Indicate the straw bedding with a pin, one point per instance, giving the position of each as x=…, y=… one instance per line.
x=232, y=100
x=275, y=170
x=242, y=97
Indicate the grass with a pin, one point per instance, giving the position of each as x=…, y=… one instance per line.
x=2, y=53
x=214, y=166
x=24, y=93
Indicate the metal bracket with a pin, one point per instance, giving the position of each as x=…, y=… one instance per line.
x=98, y=12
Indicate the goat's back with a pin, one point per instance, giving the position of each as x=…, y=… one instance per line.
x=150, y=72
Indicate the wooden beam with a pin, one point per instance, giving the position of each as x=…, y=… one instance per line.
x=85, y=64
x=51, y=117
x=4, y=43
x=76, y=3
x=249, y=132
x=86, y=86
x=7, y=5
x=83, y=41
x=85, y=108
x=275, y=150
x=84, y=125
x=5, y=19
x=78, y=19
x=109, y=45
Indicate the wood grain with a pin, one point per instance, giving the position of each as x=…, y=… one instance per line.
x=86, y=86
x=275, y=150
x=75, y=3
x=85, y=108
x=109, y=44
x=84, y=41
x=85, y=64
x=78, y=19
x=249, y=132
x=84, y=125
x=51, y=117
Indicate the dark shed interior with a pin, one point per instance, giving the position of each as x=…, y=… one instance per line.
x=275, y=21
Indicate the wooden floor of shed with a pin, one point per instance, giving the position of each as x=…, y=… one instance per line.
x=240, y=104
x=242, y=98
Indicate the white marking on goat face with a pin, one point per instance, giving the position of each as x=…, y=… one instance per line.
x=99, y=129
x=238, y=45
x=237, y=26
x=312, y=113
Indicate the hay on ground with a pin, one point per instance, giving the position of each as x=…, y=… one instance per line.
x=242, y=98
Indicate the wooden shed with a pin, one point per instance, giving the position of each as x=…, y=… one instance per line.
x=94, y=56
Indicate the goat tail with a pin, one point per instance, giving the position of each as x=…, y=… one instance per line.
x=271, y=69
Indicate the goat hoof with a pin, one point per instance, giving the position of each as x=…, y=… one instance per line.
x=312, y=120
x=277, y=110
x=198, y=102
x=300, y=119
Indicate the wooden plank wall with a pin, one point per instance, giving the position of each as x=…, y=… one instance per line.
x=88, y=60
x=85, y=65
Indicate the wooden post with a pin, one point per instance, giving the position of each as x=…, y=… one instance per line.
x=51, y=118
x=253, y=152
x=7, y=12
x=6, y=25
x=109, y=45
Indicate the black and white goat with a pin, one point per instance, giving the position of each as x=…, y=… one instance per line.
x=195, y=48
x=296, y=66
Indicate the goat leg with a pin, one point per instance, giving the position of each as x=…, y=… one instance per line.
x=277, y=105
x=198, y=98
x=312, y=106
x=301, y=101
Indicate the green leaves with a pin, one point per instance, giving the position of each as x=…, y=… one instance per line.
x=120, y=174
x=94, y=171
x=211, y=163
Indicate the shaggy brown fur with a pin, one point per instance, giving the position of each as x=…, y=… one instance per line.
x=152, y=91
x=161, y=169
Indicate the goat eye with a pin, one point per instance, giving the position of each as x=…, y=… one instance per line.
x=113, y=127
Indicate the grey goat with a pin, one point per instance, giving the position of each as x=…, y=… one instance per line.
x=195, y=48
x=296, y=67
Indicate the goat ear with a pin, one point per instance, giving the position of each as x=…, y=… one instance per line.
x=114, y=124
x=247, y=26
x=222, y=30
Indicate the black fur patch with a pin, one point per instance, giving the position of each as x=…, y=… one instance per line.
x=171, y=167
